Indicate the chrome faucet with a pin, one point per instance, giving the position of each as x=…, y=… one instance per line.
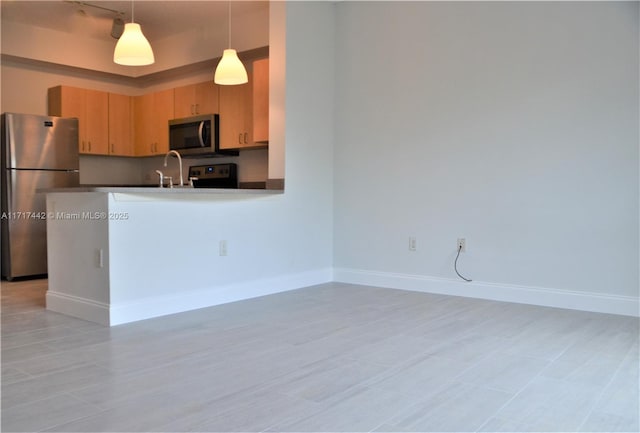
x=175, y=152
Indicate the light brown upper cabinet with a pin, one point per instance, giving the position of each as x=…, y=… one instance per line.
x=244, y=110
x=91, y=107
x=236, y=116
x=120, y=125
x=151, y=113
x=261, y=101
x=195, y=99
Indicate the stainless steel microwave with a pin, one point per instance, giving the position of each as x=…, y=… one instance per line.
x=197, y=136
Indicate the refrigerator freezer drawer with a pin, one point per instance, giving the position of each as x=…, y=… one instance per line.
x=24, y=238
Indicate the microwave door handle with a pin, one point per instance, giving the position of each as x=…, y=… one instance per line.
x=201, y=133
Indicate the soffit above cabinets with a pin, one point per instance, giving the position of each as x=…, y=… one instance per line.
x=182, y=33
x=159, y=19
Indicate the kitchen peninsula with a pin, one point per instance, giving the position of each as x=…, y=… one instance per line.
x=118, y=255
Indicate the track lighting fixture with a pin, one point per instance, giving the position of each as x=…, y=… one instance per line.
x=117, y=27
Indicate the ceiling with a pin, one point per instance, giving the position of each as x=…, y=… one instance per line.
x=158, y=19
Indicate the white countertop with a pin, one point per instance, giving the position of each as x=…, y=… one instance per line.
x=158, y=190
x=149, y=194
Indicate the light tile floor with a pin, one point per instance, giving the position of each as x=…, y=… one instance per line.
x=334, y=357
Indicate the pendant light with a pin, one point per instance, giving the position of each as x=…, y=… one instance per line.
x=230, y=69
x=133, y=49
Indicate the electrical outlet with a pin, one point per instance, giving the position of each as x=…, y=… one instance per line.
x=99, y=258
x=462, y=245
x=223, y=248
x=412, y=244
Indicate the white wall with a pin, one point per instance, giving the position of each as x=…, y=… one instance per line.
x=277, y=88
x=511, y=124
x=24, y=86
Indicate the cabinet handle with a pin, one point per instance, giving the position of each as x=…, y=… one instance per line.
x=246, y=138
x=193, y=109
x=89, y=146
x=197, y=108
x=112, y=148
x=240, y=138
x=83, y=145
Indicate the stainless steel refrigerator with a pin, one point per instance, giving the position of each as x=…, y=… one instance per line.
x=37, y=152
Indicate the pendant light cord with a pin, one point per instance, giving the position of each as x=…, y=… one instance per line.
x=132, y=16
x=229, y=21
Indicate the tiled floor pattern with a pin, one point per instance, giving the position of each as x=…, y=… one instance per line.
x=334, y=357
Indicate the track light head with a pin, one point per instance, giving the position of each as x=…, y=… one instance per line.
x=117, y=28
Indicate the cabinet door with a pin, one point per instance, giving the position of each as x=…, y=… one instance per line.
x=184, y=99
x=195, y=99
x=151, y=116
x=206, y=98
x=65, y=101
x=261, y=101
x=142, y=115
x=96, y=122
x=120, y=130
x=163, y=104
x=248, y=140
x=235, y=116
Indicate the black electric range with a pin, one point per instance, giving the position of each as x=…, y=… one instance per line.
x=214, y=176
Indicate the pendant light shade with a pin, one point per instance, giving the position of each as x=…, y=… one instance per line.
x=230, y=70
x=133, y=49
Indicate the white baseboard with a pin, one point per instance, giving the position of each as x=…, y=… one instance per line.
x=185, y=301
x=585, y=301
x=75, y=306
x=115, y=314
